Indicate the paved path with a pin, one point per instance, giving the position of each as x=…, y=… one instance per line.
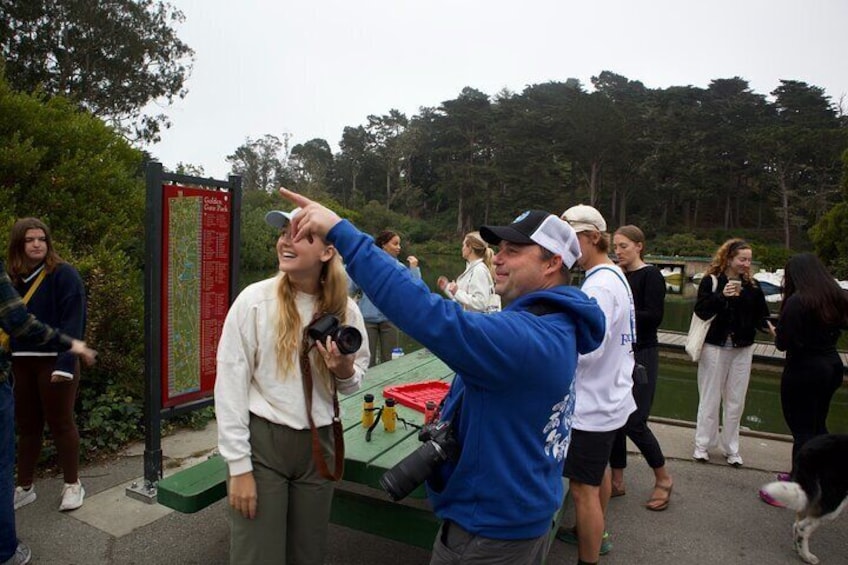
x=714, y=518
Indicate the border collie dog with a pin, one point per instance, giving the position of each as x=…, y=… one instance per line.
x=818, y=489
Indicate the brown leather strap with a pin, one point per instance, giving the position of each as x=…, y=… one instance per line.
x=338, y=433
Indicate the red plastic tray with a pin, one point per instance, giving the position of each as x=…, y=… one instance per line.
x=416, y=395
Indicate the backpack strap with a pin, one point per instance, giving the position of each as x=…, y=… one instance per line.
x=629, y=294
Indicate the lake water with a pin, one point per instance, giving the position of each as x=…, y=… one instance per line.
x=677, y=391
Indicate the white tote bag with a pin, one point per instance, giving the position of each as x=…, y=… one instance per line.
x=698, y=329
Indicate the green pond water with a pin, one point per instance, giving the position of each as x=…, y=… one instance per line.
x=677, y=391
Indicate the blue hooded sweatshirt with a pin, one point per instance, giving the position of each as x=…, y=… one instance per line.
x=514, y=375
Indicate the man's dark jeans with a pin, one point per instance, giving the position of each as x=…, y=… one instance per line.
x=8, y=537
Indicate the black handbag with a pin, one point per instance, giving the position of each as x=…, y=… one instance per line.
x=640, y=374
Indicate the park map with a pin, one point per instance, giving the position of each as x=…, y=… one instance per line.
x=184, y=285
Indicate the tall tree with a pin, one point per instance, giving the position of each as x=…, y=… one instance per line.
x=626, y=162
x=312, y=162
x=801, y=150
x=730, y=116
x=351, y=160
x=111, y=58
x=259, y=163
x=384, y=134
x=465, y=154
x=828, y=234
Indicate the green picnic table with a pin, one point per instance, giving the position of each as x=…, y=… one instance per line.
x=359, y=501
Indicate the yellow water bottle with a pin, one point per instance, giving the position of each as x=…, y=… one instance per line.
x=389, y=416
x=368, y=411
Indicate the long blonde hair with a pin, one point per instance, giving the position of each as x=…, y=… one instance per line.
x=331, y=300
x=480, y=249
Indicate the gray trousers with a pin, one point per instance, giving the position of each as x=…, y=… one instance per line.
x=455, y=546
x=383, y=336
x=293, y=499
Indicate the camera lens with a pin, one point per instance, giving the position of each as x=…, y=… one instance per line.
x=348, y=339
x=405, y=477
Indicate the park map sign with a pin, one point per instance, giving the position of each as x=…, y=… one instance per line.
x=196, y=289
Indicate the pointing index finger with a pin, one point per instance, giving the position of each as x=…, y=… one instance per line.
x=294, y=197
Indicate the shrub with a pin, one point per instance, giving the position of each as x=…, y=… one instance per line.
x=684, y=244
x=108, y=420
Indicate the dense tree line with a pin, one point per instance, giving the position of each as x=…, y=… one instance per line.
x=110, y=58
x=675, y=159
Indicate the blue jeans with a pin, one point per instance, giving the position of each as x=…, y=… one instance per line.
x=8, y=537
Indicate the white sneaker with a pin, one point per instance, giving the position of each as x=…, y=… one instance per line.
x=22, y=555
x=24, y=496
x=72, y=495
x=734, y=460
x=701, y=455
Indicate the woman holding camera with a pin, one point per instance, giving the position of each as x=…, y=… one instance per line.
x=731, y=297
x=275, y=398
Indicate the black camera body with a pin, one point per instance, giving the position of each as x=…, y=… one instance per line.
x=347, y=338
x=440, y=444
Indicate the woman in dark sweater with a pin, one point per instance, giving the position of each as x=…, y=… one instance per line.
x=738, y=308
x=648, y=287
x=813, y=311
x=46, y=384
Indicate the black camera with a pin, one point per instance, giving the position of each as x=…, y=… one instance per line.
x=440, y=445
x=347, y=338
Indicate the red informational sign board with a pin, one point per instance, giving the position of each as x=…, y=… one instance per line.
x=195, y=289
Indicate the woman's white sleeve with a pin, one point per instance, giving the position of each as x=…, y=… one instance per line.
x=236, y=352
x=362, y=357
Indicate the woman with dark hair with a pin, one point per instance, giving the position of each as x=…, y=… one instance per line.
x=46, y=383
x=648, y=287
x=382, y=334
x=813, y=312
x=16, y=321
x=738, y=309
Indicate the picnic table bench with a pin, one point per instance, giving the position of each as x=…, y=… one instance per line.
x=359, y=502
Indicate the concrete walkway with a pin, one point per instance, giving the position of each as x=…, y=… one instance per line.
x=715, y=516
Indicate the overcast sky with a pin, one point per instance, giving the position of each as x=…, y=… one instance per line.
x=311, y=68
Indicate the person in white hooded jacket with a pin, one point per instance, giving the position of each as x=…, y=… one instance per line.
x=475, y=287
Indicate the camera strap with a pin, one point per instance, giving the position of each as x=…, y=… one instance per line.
x=338, y=432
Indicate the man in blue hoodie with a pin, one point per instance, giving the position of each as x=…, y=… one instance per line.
x=511, y=401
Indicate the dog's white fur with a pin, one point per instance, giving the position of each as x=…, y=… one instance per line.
x=790, y=494
x=793, y=496
x=809, y=513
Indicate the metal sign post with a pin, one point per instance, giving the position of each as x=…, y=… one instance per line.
x=190, y=280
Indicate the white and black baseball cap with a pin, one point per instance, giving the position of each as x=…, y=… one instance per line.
x=540, y=228
x=279, y=219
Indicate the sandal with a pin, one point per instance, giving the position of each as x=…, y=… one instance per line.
x=663, y=502
x=617, y=492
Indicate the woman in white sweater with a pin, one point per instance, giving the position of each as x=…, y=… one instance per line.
x=474, y=288
x=279, y=492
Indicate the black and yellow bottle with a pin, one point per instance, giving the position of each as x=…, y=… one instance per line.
x=368, y=411
x=389, y=416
